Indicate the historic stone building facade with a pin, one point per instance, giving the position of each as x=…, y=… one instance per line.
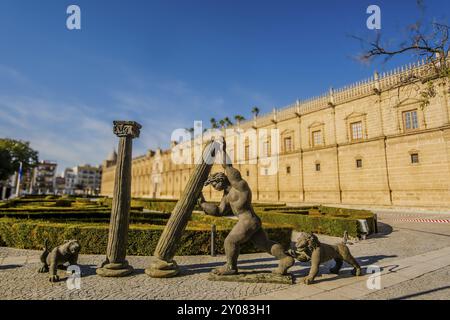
x=383, y=141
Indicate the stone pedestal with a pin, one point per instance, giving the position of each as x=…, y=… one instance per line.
x=115, y=264
x=165, y=266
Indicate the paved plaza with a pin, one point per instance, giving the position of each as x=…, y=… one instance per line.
x=414, y=258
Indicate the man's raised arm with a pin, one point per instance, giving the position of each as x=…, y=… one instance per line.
x=211, y=209
x=233, y=175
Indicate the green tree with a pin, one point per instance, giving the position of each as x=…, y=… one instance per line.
x=12, y=152
x=5, y=164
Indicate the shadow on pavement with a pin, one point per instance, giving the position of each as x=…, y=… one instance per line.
x=10, y=266
x=421, y=293
x=383, y=231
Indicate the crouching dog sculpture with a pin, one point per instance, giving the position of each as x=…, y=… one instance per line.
x=238, y=196
x=309, y=248
x=55, y=259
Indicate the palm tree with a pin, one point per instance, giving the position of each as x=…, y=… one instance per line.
x=228, y=121
x=213, y=123
x=222, y=123
x=255, y=111
x=238, y=118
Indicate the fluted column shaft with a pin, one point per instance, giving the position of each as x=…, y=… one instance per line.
x=120, y=212
x=116, y=265
x=170, y=237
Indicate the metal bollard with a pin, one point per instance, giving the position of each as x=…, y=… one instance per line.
x=213, y=238
x=375, y=218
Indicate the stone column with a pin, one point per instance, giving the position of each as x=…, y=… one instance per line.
x=115, y=264
x=165, y=266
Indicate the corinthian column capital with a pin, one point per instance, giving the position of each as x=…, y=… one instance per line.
x=127, y=129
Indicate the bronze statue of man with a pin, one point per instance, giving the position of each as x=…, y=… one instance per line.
x=238, y=196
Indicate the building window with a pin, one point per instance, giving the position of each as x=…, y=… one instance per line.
x=287, y=144
x=247, y=153
x=317, y=167
x=266, y=148
x=356, y=129
x=359, y=163
x=317, y=138
x=288, y=170
x=248, y=173
x=410, y=120
x=414, y=158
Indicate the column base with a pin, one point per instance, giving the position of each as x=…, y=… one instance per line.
x=163, y=269
x=115, y=270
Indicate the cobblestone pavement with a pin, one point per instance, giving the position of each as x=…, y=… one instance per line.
x=397, y=243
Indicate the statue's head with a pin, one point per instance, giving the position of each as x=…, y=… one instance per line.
x=307, y=241
x=219, y=181
x=72, y=246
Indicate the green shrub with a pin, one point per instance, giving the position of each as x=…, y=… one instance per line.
x=63, y=203
x=83, y=200
x=80, y=215
x=155, y=204
x=142, y=239
x=51, y=197
x=105, y=201
x=284, y=208
x=333, y=226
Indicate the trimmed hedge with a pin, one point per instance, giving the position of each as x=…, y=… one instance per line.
x=142, y=239
x=87, y=216
x=161, y=205
x=328, y=220
x=332, y=226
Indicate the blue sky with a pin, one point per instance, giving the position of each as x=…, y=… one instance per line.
x=168, y=63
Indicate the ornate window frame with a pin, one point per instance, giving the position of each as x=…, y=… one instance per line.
x=406, y=105
x=316, y=127
x=353, y=118
x=287, y=134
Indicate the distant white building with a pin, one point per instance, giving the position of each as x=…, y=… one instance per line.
x=43, y=180
x=70, y=181
x=85, y=179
